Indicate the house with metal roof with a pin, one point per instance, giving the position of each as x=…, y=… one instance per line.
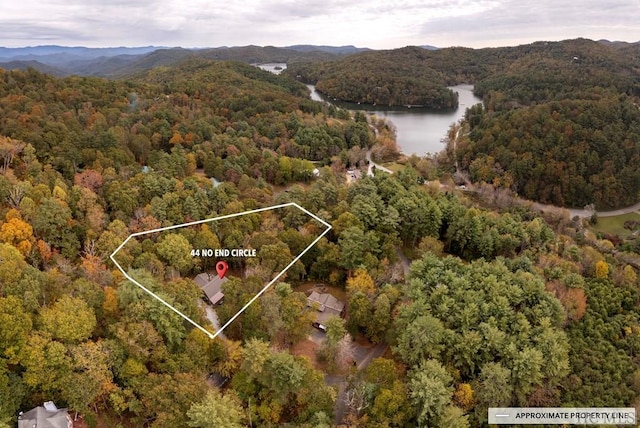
x=46, y=416
x=326, y=305
x=211, y=285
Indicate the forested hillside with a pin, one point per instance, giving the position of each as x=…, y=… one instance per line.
x=561, y=125
x=499, y=307
x=388, y=78
x=560, y=122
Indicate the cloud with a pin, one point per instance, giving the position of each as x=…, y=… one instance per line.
x=30, y=32
x=372, y=23
x=513, y=20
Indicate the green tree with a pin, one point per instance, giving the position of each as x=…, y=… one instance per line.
x=494, y=388
x=12, y=266
x=175, y=249
x=421, y=339
x=216, y=410
x=52, y=221
x=284, y=375
x=15, y=327
x=430, y=390
x=12, y=392
x=70, y=320
x=256, y=354
x=46, y=364
x=359, y=311
x=381, y=319
x=454, y=417
x=352, y=247
x=335, y=330
x=91, y=377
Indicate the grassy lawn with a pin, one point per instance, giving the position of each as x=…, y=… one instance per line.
x=393, y=166
x=615, y=225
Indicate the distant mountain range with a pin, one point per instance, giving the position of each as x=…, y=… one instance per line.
x=118, y=62
x=124, y=61
x=127, y=61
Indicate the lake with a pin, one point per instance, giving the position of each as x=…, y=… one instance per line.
x=273, y=67
x=420, y=131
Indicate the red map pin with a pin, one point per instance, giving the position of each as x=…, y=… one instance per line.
x=221, y=268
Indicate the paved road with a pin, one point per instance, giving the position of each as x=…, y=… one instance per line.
x=212, y=316
x=340, y=409
x=375, y=352
x=585, y=213
x=621, y=211
x=372, y=164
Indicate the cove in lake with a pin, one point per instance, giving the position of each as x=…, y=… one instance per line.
x=419, y=131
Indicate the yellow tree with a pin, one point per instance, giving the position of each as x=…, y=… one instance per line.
x=232, y=358
x=362, y=282
x=463, y=396
x=602, y=269
x=17, y=232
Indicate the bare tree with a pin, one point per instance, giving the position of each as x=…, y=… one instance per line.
x=358, y=398
x=9, y=148
x=345, y=352
x=15, y=195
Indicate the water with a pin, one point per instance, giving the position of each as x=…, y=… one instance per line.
x=273, y=67
x=419, y=131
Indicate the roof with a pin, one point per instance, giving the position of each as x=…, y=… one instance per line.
x=211, y=285
x=40, y=417
x=325, y=301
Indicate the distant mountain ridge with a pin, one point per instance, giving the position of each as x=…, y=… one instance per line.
x=24, y=64
x=119, y=62
x=338, y=50
x=80, y=51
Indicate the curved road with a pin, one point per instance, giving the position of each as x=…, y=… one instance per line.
x=572, y=211
x=372, y=164
x=621, y=211
x=585, y=213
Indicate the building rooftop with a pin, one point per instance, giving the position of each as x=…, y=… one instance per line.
x=47, y=416
x=211, y=284
x=325, y=301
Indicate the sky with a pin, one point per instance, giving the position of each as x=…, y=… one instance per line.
x=377, y=24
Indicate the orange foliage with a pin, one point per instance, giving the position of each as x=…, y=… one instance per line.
x=44, y=250
x=574, y=302
x=176, y=138
x=89, y=178
x=93, y=268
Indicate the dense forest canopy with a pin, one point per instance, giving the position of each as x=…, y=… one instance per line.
x=560, y=123
x=388, y=78
x=471, y=305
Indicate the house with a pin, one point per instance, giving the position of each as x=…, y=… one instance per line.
x=46, y=416
x=354, y=174
x=211, y=284
x=326, y=304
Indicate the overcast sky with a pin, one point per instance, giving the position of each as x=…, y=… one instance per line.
x=377, y=24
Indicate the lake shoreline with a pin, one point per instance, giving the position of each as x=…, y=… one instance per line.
x=419, y=130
